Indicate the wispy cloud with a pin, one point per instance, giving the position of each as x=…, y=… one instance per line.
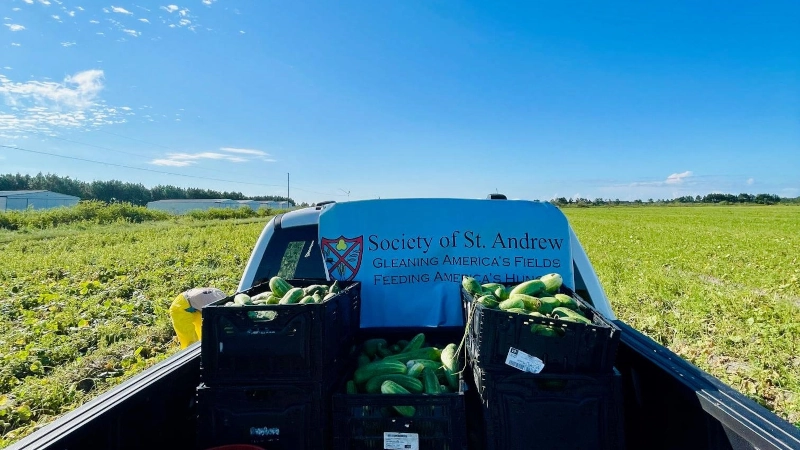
x=94, y=21
x=750, y=181
x=16, y=44
x=14, y=26
x=71, y=13
x=235, y=155
x=47, y=105
x=170, y=8
x=186, y=159
x=56, y=17
x=144, y=20
x=30, y=2
x=263, y=156
x=120, y=10
x=208, y=2
x=67, y=44
x=678, y=178
x=16, y=9
x=133, y=33
x=45, y=2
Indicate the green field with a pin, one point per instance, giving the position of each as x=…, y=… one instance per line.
x=83, y=306
x=720, y=286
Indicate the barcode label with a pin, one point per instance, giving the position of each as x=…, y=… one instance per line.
x=523, y=361
x=400, y=441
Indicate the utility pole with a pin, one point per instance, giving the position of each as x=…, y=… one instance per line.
x=287, y=190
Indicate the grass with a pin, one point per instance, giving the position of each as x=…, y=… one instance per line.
x=717, y=285
x=83, y=305
x=82, y=310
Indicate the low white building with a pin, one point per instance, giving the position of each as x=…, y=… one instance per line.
x=271, y=204
x=36, y=199
x=183, y=205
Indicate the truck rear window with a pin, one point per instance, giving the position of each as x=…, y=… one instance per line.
x=292, y=253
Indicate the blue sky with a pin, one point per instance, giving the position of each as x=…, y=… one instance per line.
x=402, y=99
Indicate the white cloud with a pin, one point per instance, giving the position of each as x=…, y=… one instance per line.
x=208, y=2
x=7, y=67
x=67, y=44
x=56, y=17
x=170, y=8
x=44, y=2
x=144, y=20
x=184, y=12
x=79, y=8
x=7, y=19
x=678, y=178
x=16, y=9
x=133, y=33
x=184, y=22
x=46, y=105
x=186, y=159
x=71, y=13
x=241, y=31
x=263, y=156
x=16, y=44
x=14, y=26
x=750, y=181
x=94, y=21
x=100, y=33
x=120, y=10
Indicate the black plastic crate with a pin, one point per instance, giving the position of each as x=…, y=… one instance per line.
x=579, y=347
x=273, y=416
x=551, y=411
x=369, y=421
x=288, y=343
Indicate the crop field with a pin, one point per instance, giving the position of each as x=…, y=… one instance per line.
x=718, y=285
x=84, y=306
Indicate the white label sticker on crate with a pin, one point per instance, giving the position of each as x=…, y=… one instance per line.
x=400, y=441
x=520, y=360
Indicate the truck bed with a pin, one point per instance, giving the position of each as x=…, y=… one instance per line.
x=668, y=404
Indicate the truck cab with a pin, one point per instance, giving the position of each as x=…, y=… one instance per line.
x=668, y=403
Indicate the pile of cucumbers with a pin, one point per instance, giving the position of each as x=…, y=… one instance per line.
x=537, y=297
x=405, y=367
x=283, y=293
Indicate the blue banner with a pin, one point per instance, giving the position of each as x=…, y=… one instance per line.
x=410, y=254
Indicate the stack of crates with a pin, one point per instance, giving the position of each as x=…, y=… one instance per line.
x=268, y=371
x=545, y=390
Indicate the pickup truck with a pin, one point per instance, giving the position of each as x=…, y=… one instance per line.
x=668, y=402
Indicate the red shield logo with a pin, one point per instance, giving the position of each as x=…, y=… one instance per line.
x=343, y=256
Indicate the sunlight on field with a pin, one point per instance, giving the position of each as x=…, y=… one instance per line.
x=718, y=285
x=84, y=310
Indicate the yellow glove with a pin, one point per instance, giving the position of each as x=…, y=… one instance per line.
x=186, y=321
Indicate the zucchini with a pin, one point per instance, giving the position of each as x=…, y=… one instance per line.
x=390, y=387
x=415, y=370
x=530, y=287
x=431, y=353
x=415, y=344
x=292, y=296
x=413, y=385
x=279, y=286
x=375, y=368
x=430, y=381
x=512, y=303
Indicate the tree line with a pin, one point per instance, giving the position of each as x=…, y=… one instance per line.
x=716, y=198
x=119, y=191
